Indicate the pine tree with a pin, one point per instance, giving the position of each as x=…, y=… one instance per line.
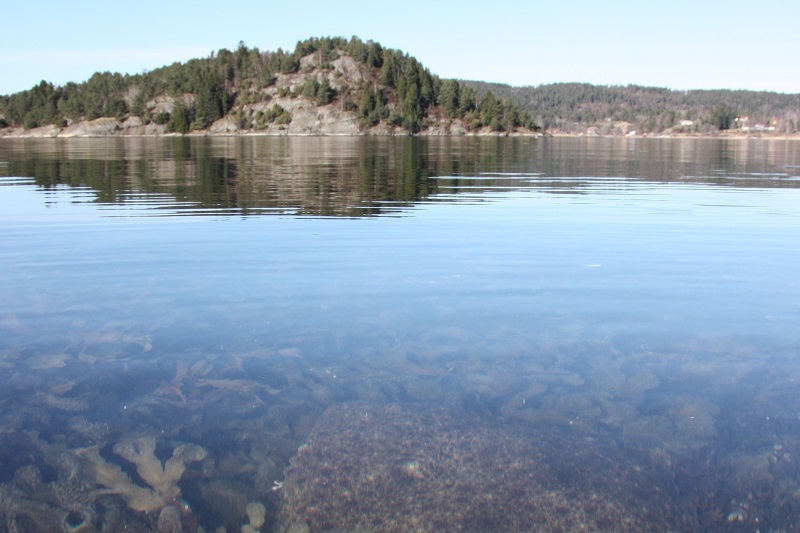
x=209, y=98
x=467, y=100
x=449, y=98
x=178, y=118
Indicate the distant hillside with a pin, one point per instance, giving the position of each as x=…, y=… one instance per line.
x=324, y=86
x=585, y=108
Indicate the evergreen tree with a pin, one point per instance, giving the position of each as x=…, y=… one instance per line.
x=489, y=110
x=357, y=49
x=209, y=99
x=325, y=93
x=374, y=55
x=310, y=89
x=412, y=110
x=178, y=119
x=467, y=99
x=723, y=117
x=449, y=98
x=390, y=70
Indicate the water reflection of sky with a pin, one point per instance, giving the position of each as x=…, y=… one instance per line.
x=636, y=253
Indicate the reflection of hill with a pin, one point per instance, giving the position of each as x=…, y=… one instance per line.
x=349, y=176
x=328, y=176
x=315, y=176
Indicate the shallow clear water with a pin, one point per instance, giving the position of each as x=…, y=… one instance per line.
x=225, y=292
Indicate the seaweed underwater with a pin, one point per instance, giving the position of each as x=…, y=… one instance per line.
x=83, y=443
x=162, y=479
x=140, y=439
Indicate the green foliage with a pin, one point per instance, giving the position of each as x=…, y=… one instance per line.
x=414, y=93
x=576, y=106
x=449, y=97
x=374, y=55
x=357, y=49
x=325, y=93
x=489, y=110
x=467, y=101
x=399, y=90
x=372, y=107
x=33, y=108
x=499, y=115
x=309, y=90
x=161, y=118
x=723, y=117
x=210, y=98
x=287, y=64
x=266, y=78
x=179, y=118
x=278, y=115
x=320, y=92
x=390, y=70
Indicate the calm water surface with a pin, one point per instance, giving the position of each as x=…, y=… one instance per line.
x=180, y=316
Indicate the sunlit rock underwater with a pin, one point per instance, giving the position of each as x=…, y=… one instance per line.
x=403, y=468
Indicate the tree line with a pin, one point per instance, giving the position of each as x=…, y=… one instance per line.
x=400, y=92
x=574, y=107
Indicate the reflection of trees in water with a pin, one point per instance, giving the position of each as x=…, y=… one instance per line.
x=742, y=163
x=356, y=176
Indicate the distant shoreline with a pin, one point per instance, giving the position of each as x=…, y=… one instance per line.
x=332, y=86
x=731, y=136
x=345, y=127
x=111, y=128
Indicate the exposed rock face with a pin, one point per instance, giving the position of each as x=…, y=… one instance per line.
x=225, y=125
x=327, y=120
x=95, y=128
x=403, y=468
x=134, y=126
x=307, y=118
x=344, y=74
x=101, y=127
x=34, y=133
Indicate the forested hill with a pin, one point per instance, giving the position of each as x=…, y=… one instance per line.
x=609, y=110
x=324, y=86
x=348, y=86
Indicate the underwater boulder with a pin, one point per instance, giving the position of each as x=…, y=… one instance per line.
x=412, y=468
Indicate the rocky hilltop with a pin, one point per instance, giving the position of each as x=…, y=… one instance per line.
x=328, y=86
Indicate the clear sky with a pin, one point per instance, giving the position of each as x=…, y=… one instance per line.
x=681, y=44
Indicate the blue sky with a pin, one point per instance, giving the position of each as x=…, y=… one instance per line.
x=681, y=44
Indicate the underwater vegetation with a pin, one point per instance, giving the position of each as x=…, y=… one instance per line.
x=108, y=431
x=162, y=479
x=90, y=493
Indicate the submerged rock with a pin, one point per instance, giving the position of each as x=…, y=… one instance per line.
x=404, y=468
